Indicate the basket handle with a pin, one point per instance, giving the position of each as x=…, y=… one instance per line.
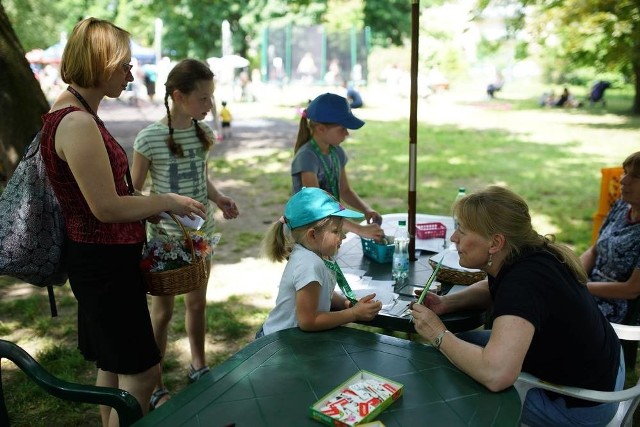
x=187, y=237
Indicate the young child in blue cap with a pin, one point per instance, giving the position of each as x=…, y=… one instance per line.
x=306, y=298
x=320, y=161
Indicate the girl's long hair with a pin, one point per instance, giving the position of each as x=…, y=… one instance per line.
x=305, y=131
x=185, y=77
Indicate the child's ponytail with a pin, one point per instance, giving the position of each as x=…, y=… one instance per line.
x=276, y=247
x=304, y=132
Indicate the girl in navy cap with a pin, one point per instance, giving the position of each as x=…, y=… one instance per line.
x=320, y=161
x=306, y=297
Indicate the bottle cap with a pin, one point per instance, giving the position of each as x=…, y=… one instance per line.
x=461, y=190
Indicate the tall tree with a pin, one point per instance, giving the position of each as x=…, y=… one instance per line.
x=21, y=99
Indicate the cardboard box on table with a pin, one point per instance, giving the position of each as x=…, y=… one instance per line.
x=333, y=409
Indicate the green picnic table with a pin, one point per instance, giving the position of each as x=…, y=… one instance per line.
x=274, y=381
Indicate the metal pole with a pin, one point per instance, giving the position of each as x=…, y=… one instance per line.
x=413, y=127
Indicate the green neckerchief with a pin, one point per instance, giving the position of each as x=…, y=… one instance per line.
x=342, y=281
x=332, y=174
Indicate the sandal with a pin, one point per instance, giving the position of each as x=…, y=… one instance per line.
x=194, y=375
x=157, y=396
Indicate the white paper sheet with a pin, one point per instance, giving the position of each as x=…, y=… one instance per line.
x=193, y=224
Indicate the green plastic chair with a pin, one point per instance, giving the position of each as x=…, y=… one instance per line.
x=628, y=399
x=122, y=401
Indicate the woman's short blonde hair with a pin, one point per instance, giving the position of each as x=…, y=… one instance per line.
x=94, y=50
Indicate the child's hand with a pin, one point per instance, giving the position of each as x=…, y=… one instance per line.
x=371, y=231
x=367, y=308
x=228, y=207
x=373, y=217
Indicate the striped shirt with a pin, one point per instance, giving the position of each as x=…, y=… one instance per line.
x=186, y=175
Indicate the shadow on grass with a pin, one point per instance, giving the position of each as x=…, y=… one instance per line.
x=26, y=321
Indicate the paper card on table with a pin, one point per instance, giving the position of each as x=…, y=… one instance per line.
x=357, y=282
x=193, y=224
x=385, y=297
x=399, y=309
x=353, y=271
x=382, y=284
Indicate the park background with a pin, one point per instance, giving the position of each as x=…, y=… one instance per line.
x=465, y=138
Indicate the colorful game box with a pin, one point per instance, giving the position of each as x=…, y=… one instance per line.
x=358, y=400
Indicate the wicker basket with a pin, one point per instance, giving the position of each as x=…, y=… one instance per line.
x=180, y=280
x=457, y=277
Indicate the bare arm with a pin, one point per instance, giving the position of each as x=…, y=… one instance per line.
x=310, y=319
x=79, y=143
x=621, y=290
x=629, y=289
x=588, y=259
x=371, y=231
x=139, y=170
x=497, y=365
x=350, y=197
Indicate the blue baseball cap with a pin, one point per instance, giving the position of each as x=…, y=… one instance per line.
x=332, y=108
x=312, y=204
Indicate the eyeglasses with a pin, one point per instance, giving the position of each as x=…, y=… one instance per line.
x=126, y=67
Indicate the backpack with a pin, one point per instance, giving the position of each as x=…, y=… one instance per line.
x=32, y=232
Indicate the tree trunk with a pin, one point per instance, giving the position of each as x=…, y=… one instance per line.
x=635, y=109
x=22, y=101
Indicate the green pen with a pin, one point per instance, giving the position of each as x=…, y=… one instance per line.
x=430, y=281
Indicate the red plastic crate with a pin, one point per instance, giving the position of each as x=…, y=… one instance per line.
x=431, y=230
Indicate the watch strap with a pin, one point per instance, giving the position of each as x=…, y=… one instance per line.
x=438, y=340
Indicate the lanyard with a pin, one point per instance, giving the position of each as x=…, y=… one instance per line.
x=332, y=174
x=342, y=281
x=84, y=103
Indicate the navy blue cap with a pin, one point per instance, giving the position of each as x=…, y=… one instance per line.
x=335, y=109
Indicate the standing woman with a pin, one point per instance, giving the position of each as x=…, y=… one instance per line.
x=545, y=321
x=103, y=219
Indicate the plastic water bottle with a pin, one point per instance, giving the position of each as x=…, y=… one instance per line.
x=400, y=268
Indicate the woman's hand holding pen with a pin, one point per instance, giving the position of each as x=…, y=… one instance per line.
x=433, y=301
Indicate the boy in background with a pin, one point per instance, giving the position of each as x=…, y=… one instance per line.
x=225, y=119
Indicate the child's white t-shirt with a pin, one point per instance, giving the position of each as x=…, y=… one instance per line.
x=303, y=267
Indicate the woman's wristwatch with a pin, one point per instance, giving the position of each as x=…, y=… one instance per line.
x=438, y=340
